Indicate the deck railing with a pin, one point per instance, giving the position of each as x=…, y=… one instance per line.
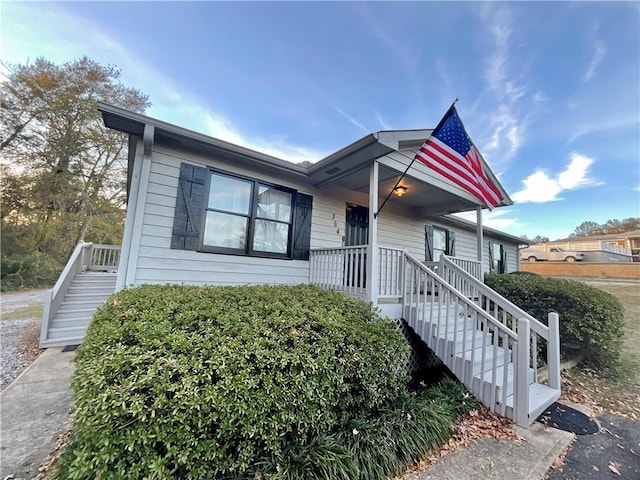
x=345, y=269
x=509, y=315
x=104, y=258
x=342, y=269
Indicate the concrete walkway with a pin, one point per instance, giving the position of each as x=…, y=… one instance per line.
x=490, y=459
x=34, y=410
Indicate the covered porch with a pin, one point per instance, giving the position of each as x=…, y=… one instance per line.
x=390, y=193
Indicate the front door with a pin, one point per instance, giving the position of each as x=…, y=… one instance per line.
x=356, y=233
x=357, y=226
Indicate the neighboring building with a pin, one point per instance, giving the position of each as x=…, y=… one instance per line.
x=206, y=212
x=617, y=247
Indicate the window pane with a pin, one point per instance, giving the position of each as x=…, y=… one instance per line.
x=271, y=237
x=224, y=230
x=439, y=239
x=274, y=204
x=230, y=194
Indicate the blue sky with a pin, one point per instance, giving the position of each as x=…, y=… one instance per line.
x=549, y=92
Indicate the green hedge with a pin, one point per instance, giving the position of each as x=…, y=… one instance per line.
x=591, y=320
x=194, y=383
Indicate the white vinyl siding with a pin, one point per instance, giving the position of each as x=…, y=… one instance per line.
x=158, y=263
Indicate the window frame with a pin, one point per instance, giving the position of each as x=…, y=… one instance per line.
x=497, y=265
x=252, y=217
x=449, y=237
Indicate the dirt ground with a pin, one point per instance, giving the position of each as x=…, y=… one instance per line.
x=20, y=319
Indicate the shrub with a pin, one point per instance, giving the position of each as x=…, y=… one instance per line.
x=378, y=446
x=591, y=320
x=191, y=382
x=33, y=270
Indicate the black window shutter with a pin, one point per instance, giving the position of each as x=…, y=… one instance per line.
x=302, y=227
x=503, y=259
x=190, y=204
x=451, y=243
x=428, y=243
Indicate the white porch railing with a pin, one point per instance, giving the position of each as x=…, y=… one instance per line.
x=342, y=269
x=345, y=269
x=104, y=258
x=472, y=267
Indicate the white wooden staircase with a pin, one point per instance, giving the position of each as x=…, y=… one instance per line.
x=87, y=281
x=488, y=343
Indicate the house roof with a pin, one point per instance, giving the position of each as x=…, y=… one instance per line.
x=609, y=236
x=472, y=226
x=348, y=166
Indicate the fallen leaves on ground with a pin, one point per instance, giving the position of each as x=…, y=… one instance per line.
x=613, y=466
x=52, y=459
x=478, y=424
x=583, y=386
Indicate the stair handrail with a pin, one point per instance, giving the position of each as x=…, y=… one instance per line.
x=522, y=346
x=550, y=333
x=52, y=302
x=535, y=324
x=470, y=304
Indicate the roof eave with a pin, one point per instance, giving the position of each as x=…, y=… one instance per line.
x=133, y=124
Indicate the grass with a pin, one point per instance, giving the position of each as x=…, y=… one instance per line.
x=616, y=389
x=24, y=313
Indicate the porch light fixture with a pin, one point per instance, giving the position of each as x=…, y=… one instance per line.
x=400, y=191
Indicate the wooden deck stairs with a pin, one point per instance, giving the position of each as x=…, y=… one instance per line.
x=88, y=280
x=488, y=343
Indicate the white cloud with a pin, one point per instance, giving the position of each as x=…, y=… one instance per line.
x=540, y=187
x=598, y=55
x=507, y=126
x=600, y=124
x=28, y=30
x=382, y=122
x=350, y=119
x=500, y=219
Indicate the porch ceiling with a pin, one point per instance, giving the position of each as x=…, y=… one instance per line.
x=421, y=197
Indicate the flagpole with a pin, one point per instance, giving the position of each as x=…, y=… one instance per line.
x=414, y=159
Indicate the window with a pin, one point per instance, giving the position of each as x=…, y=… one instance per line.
x=247, y=217
x=217, y=212
x=438, y=241
x=497, y=258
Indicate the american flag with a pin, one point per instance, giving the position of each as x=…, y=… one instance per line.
x=450, y=152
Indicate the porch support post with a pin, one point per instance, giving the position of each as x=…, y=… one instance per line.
x=372, y=249
x=479, y=234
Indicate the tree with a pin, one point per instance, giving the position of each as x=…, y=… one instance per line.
x=539, y=239
x=613, y=226
x=67, y=173
x=585, y=229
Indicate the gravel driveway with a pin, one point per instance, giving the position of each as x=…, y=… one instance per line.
x=19, y=336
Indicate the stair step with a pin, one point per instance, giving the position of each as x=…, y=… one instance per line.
x=81, y=304
x=482, y=383
x=80, y=322
x=78, y=313
x=91, y=290
x=61, y=342
x=478, y=366
x=540, y=397
x=92, y=283
x=56, y=333
x=85, y=297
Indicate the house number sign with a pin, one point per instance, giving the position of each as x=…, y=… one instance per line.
x=335, y=223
